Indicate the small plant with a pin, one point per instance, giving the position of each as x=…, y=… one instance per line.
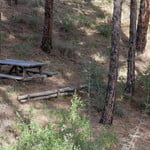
x=72, y=132
x=37, y=3
x=119, y=109
x=83, y=20
x=3, y=35
x=66, y=48
x=23, y=2
x=31, y=21
x=104, y=30
x=145, y=82
x=18, y=19
x=102, y=15
x=67, y=24
x=97, y=86
x=23, y=50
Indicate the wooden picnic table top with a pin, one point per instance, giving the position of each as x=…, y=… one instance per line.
x=20, y=63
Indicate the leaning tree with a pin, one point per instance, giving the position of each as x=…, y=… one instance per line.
x=142, y=28
x=130, y=84
x=46, y=44
x=107, y=114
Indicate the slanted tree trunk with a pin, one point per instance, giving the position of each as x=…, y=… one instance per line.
x=130, y=85
x=46, y=44
x=107, y=114
x=142, y=27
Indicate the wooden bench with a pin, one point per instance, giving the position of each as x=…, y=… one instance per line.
x=48, y=74
x=21, y=78
x=22, y=68
x=11, y=77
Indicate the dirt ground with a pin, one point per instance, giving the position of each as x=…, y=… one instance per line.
x=133, y=129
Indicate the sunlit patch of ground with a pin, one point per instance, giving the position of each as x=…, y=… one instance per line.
x=23, y=42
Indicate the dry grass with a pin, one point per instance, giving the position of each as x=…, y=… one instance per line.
x=75, y=39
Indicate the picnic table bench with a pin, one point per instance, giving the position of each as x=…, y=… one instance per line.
x=22, y=70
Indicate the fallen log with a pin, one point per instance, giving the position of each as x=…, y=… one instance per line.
x=51, y=93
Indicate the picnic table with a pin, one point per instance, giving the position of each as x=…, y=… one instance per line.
x=22, y=70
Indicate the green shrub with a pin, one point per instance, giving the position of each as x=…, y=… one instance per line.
x=18, y=19
x=119, y=109
x=23, y=50
x=102, y=15
x=67, y=24
x=23, y=2
x=72, y=132
x=32, y=21
x=3, y=35
x=94, y=76
x=37, y=3
x=83, y=20
x=144, y=80
x=104, y=30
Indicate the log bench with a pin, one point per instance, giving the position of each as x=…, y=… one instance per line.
x=48, y=74
x=21, y=78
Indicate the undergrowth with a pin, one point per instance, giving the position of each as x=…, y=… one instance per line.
x=104, y=30
x=144, y=81
x=95, y=76
x=72, y=132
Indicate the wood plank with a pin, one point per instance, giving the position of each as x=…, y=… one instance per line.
x=20, y=63
x=47, y=97
x=34, y=77
x=11, y=77
x=51, y=92
x=49, y=74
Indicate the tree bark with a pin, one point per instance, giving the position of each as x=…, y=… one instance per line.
x=16, y=2
x=142, y=27
x=107, y=114
x=46, y=44
x=130, y=84
x=10, y=2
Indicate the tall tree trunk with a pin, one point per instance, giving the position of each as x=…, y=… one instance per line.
x=107, y=114
x=142, y=28
x=46, y=44
x=130, y=85
x=10, y=2
x=16, y=2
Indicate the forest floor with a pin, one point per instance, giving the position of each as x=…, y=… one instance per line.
x=77, y=42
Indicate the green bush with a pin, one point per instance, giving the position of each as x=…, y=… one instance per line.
x=67, y=24
x=72, y=132
x=37, y=3
x=144, y=80
x=83, y=20
x=104, y=30
x=32, y=21
x=23, y=50
x=95, y=76
x=3, y=35
x=102, y=15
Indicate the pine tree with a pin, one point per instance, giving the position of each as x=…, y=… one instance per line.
x=46, y=44
x=130, y=85
x=107, y=114
x=142, y=28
